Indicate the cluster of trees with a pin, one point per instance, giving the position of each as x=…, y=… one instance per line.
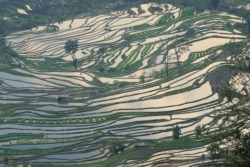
x=244, y=14
x=46, y=12
x=248, y=23
x=118, y=147
x=230, y=142
x=240, y=54
x=225, y=5
x=71, y=46
x=3, y=31
x=215, y=3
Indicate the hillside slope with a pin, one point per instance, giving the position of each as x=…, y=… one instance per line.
x=136, y=76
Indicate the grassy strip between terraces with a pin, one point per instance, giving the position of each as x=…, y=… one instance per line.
x=147, y=34
x=8, y=70
x=141, y=27
x=189, y=22
x=164, y=19
x=15, y=136
x=148, y=48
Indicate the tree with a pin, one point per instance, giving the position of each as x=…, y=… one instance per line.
x=117, y=147
x=71, y=47
x=213, y=150
x=3, y=29
x=6, y=161
x=198, y=130
x=102, y=50
x=142, y=78
x=228, y=94
x=167, y=57
x=248, y=19
x=75, y=63
x=180, y=50
x=248, y=23
x=203, y=157
x=177, y=52
x=215, y=3
x=176, y=132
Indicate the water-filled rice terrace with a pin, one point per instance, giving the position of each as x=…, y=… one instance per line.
x=139, y=73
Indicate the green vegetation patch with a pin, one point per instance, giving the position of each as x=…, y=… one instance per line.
x=164, y=19
x=189, y=12
x=130, y=58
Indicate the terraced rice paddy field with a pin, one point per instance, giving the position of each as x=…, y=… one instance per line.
x=138, y=75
